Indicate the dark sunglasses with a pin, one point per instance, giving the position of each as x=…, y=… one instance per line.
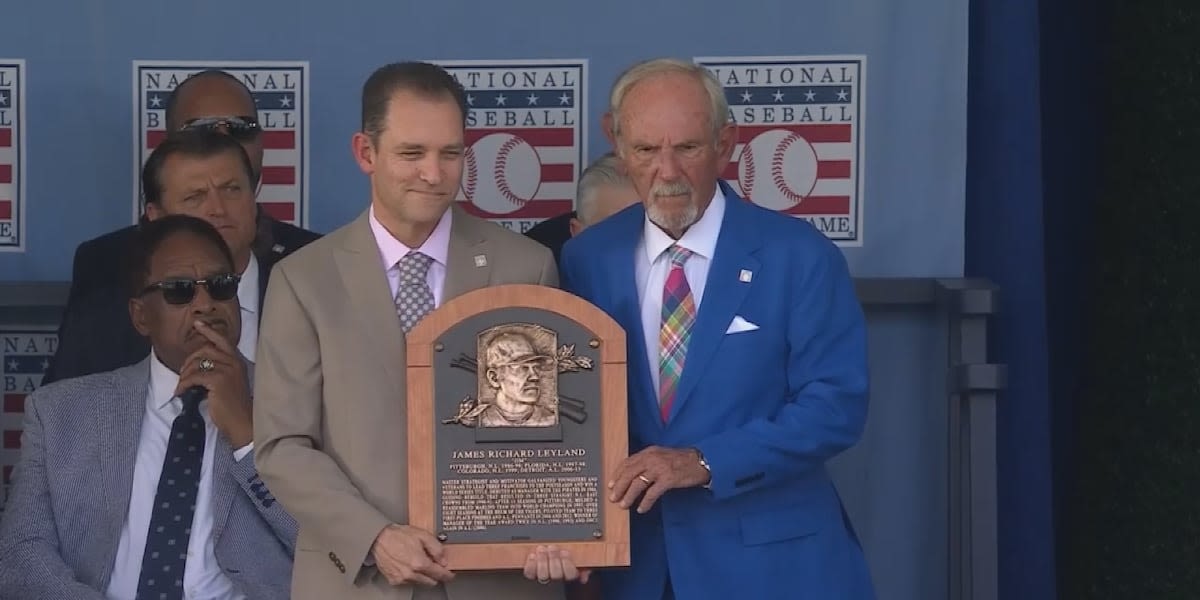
x=242, y=129
x=221, y=288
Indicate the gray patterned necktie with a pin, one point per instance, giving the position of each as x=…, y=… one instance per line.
x=414, y=298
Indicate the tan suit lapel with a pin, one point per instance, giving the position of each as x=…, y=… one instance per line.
x=366, y=289
x=469, y=261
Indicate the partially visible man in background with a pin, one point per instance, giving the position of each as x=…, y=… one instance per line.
x=209, y=101
x=603, y=191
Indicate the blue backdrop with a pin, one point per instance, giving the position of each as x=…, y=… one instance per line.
x=79, y=52
x=79, y=158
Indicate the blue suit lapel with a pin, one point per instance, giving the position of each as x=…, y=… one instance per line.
x=724, y=292
x=622, y=279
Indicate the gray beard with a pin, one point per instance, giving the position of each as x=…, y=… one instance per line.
x=676, y=222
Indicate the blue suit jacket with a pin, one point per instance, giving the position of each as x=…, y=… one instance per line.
x=767, y=407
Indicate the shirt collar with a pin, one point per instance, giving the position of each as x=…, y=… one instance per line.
x=248, y=287
x=163, y=382
x=700, y=238
x=437, y=246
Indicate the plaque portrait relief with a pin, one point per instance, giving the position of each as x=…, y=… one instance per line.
x=517, y=367
x=517, y=378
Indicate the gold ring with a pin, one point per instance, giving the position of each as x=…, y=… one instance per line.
x=643, y=478
x=206, y=365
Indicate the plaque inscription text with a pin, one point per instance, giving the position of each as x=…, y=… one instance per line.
x=518, y=487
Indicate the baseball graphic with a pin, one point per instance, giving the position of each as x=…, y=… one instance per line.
x=502, y=173
x=777, y=169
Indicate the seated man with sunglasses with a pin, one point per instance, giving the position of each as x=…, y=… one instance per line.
x=210, y=101
x=140, y=482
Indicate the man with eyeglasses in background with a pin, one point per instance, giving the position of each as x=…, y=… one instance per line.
x=93, y=335
x=140, y=482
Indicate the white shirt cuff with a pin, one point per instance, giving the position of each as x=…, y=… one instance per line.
x=241, y=453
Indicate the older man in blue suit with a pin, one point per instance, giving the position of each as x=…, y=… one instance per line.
x=140, y=482
x=747, y=363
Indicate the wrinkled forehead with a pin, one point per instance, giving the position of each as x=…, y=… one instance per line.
x=665, y=105
x=186, y=170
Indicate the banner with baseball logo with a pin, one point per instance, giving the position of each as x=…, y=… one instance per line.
x=280, y=91
x=12, y=155
x=25, y=354
x=526, y=138
x=800, y=137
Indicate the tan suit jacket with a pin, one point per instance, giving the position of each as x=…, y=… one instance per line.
x=329, y=406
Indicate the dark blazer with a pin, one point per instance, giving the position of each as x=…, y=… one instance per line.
x=552, y=233
x=96, y=335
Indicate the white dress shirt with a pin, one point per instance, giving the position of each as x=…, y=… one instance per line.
x=653, y=265
x=248, y=299
x=436, y=246
x=202, y=576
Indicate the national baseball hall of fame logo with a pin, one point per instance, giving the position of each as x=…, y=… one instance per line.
x=12, y=155
x=525, y=138
x=24, y=357
x=280, y=91
x=800, y=137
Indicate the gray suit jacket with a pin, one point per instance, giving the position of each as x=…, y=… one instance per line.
x=70, y=496
x=329, y=410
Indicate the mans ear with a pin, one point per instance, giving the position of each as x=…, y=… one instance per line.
x=606, y=126
x=139, y=316
x=726, y=140
x=363, y=151
x=154, y=211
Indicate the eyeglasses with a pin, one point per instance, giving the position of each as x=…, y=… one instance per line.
x=242, y=129
x=221, y=288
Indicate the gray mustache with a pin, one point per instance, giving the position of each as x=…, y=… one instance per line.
x=678, y=188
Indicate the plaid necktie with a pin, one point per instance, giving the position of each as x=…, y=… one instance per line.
x=165, y=556
x=678, y=314
x=414, y=298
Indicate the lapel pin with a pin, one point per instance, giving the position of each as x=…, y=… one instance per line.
x=278, y=248
x=745, y=276
x=480, y=260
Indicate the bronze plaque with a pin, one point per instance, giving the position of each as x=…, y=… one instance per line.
x=517, y=410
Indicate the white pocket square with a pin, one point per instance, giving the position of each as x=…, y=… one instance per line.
x=739, y=325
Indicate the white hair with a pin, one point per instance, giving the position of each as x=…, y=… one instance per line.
x=718, y=105
x=604, y=171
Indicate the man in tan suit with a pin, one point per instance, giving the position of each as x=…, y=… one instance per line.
x=330, y=408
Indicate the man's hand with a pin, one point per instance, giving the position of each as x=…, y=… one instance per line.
x=550, y=563
x=407, y=555
x=651, y=472
x=227, y=384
